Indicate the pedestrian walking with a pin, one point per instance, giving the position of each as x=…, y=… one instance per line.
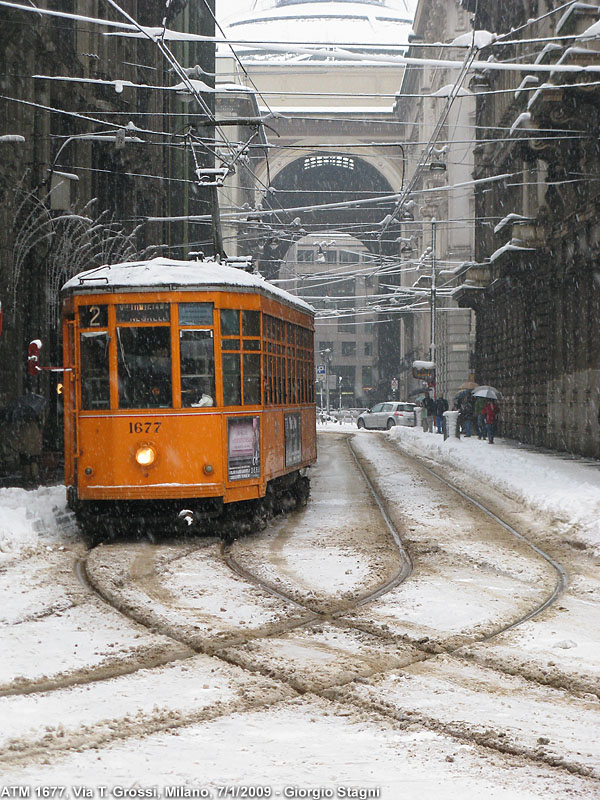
x=480, y=403
x=490, y=413
x=441, y=405
x=467, y=413
x=428, y=413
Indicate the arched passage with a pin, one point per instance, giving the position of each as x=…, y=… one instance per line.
x=326, y=177
x=366, y=354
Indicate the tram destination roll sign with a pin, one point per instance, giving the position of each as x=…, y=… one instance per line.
x=143, y=312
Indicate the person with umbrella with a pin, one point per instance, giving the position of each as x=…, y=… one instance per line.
x=467, y=413
x=480, y=403
x=490, y=411
x=490, y=414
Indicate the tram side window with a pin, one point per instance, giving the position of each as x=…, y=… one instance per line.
x=95, y=384
x=232, y=395
x=251, y=323
x=230, y=322
x=251, y=379
x=144, y=361
x=197, y=368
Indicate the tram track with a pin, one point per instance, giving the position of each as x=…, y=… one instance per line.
x=497, y=742
x=219, y=646
x=561, y=580
x=224, y=647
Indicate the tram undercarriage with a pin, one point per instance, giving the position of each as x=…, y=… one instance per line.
x=108, y=519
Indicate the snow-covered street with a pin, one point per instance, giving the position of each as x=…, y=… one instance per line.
x=321, y=652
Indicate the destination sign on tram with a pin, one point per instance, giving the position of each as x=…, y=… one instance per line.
x=143, y=312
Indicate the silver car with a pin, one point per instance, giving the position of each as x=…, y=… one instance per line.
x=387, y=415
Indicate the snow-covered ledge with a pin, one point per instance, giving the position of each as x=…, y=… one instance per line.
x=511, y=219
x=510, y=247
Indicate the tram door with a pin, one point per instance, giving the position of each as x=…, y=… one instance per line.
x=69, y=406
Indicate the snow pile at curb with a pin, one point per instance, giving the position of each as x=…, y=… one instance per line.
x=27, y=517
x=567, y=488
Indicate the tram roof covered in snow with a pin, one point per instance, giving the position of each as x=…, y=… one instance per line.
x=158, y=273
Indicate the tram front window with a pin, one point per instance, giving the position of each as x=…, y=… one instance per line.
x=144, y=360
x=95, y=386
x=197, y=368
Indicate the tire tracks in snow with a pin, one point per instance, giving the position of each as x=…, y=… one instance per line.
x=224, y=648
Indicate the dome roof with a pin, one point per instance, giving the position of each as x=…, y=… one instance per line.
x=309, y=22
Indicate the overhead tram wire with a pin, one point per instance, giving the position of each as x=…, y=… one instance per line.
x=286, y=209
x=532, y=21
x=349, y=45
x=235, y=55
x=116, y=126
x=180, y=71
x=359, y=45
x=129, y=29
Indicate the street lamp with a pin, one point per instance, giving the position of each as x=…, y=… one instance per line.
x=433, y=293
x=118, y=137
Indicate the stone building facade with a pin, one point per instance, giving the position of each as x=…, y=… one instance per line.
x=442, y=206
x=88, y=155
x=535, y=284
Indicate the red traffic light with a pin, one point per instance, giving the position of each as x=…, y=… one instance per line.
x=33, y=357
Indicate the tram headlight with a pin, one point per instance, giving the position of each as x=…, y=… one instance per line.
x=145, y=455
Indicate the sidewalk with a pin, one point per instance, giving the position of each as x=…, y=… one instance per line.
x=563, y=485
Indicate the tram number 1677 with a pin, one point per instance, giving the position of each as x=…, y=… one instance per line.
x=144, y=427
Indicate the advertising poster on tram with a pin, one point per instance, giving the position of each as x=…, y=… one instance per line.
x=293, y=439
x=243, y=448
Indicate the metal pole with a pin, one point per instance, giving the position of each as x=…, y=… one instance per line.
x=327, y=381
x=216, y=224
x=433, y=288
x=433, y=299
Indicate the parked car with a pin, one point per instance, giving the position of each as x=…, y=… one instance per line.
x=387, y=415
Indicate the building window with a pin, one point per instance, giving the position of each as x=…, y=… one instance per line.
x=368, y=348
x=345, y=288
x=367, y=378
x=325, y=346
x=348, y=348
x=313, y=162
x=347, y=324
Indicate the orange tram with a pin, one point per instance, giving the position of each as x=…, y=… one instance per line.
x=189, y=396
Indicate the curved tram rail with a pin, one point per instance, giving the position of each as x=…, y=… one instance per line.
x=224, y=646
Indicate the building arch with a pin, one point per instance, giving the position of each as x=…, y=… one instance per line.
x=325, y=176
x=391, y=171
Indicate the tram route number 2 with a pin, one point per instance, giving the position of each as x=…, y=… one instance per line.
x=144, y=427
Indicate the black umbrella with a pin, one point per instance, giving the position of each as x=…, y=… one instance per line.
x=461, y=395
